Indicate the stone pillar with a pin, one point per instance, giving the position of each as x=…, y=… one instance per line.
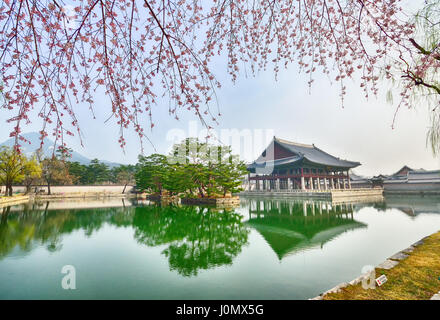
x=318, y=182
x=332, y=183
x=303, y=184
x=325, y=184
x=289, y=186
x=249, y=182
x=311, y=183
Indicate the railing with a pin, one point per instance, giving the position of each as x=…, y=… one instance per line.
x=289, y=191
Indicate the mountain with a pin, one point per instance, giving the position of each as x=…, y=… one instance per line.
x=34, y=139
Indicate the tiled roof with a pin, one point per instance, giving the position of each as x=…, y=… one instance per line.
x=432, y=176
x=315, y=155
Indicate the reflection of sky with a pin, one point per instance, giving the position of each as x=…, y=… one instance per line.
x=361, y=131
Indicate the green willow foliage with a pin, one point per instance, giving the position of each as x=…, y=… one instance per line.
x=427, y=63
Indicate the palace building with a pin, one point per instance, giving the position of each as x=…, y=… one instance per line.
x=288, y=166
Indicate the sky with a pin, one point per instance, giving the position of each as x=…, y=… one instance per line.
x=360, y=131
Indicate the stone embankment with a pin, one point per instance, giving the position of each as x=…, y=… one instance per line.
x=231, y=201
x=346, y=195
x=68, y=192
x=8, y=201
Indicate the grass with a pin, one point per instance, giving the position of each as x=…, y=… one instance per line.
x=415, y=278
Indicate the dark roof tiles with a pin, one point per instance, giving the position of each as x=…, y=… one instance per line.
x=315, y=155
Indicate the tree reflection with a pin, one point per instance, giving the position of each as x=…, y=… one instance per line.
x=198, y=238
x=35, y=225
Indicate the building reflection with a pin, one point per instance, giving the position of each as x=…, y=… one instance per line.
x=289, y=226
x=411, y=205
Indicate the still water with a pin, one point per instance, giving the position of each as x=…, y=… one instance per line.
x=265, y=249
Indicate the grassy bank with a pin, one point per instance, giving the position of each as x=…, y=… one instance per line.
x=414, y=278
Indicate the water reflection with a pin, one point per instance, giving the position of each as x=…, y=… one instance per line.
x=193, y=238
x=411, y=205
x=289, y=226
x=32, y=225
x=196, y=237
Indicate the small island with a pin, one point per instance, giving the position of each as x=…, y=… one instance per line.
x=194, y=172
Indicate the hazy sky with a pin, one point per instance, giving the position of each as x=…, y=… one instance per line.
x=361, y=131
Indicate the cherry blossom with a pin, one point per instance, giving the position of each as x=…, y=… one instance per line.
x=142, y=51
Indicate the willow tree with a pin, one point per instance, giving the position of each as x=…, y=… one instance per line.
x=423, y=72
x=138, y=52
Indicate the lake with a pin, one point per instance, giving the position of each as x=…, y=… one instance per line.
x=264, y=249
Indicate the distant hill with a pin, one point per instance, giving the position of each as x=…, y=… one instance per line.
x=34, y=139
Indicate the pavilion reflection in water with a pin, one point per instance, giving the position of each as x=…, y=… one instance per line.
x=291, y=226
x=411, y=205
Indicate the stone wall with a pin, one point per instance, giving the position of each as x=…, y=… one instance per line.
x=339, y=194
x=76, y=189
x=412, y=188
x=213, y=201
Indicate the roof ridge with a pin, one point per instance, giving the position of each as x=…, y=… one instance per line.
x=294, y=143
